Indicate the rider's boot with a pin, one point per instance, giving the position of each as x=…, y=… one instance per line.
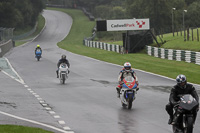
x=170, y=120
x=118, y=91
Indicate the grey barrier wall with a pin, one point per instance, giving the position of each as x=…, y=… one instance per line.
x=101, y=45
x=5, y=47
x=171, y=54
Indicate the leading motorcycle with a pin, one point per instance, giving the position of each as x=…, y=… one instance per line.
x=38, y=54
x=128, y=91
x=184, y=111
x=63, y=72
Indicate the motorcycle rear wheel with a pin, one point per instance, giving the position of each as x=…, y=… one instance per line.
x=38, y=58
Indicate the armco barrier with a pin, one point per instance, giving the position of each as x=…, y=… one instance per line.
x=171, y=54
x=5, y=47
x=101, y=45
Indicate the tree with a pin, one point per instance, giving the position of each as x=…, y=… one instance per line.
x=192, y=17
x=10, y=17
x=20, y=13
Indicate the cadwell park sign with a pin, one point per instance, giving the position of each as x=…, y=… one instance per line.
x=123, y=25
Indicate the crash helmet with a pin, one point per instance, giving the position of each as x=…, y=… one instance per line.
x=181, y=81
x=38, y=46
x=63, y=57
x=127, y=66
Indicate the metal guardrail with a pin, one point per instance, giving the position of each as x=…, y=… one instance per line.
x=104, y=46
x=171, y=54
x=19, y=37
x=5, y=34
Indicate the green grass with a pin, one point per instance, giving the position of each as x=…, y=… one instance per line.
x=82, y=27
x=41, y=23
x=177, y=41
x=20, y=129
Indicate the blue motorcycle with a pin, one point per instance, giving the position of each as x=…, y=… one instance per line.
x=38, y=54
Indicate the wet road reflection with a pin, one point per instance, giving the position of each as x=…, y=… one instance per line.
x=126, y=121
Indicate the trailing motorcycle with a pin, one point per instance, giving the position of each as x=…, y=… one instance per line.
x=184, y=113
x=38, y=54
x=128, y=91
x=63, y=72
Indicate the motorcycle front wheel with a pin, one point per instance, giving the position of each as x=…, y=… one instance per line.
x=189, y=125
x=130, y=101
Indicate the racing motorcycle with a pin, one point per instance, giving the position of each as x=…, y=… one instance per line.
x=128, y=91
x=63, y=72
x=38, y=54
x=184, y=113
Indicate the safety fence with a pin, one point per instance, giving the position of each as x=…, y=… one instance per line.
x=22, y=36
x=171, y=54
x=5, y=34
x=104, y=46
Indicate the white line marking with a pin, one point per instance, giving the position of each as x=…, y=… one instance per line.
x=61, y=122
x=11, y=76
x=44, y=104
x=29, y=89
x=39, y=98
x=20, y=79
x=56, y=116
x=26, y=86
x=47, y=108
x=66, y=128
x=52, y=112
x=35, y=122
x=41, y=101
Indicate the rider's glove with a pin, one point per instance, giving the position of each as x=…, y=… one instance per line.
x=176, y=103
x=137, y=83
x=120, y=82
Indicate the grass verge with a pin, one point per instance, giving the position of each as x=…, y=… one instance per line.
x=41, y=23
x=21, y=129
x=82, y=27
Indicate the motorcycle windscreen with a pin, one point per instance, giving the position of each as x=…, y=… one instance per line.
x=129, y=79
x=188, y=102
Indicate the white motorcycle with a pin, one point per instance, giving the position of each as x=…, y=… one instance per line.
x=63, y=72
x=128, y=91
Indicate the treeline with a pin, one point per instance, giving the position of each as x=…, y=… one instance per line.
x=20, y=13
x=159, y=11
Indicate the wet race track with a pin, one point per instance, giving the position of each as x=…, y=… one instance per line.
x=88, y=102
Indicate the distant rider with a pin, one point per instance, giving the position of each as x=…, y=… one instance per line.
x=126, y=71
x=62, y=60
x=38, y=48
x=182, y=87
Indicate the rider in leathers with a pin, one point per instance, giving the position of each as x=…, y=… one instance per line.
x=182, y=87
x=38, y=48
x=62, y=60
x=126, y=71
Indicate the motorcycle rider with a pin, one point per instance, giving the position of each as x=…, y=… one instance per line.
x=38, y=48
x=62, y=60
x=182, y=87
x=126, y=71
